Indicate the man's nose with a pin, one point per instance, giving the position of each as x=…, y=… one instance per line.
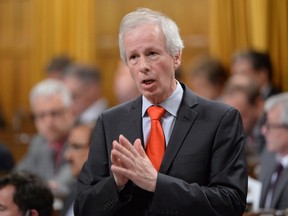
x=144, y=65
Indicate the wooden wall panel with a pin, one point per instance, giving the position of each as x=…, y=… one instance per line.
x=7, y=79
x=6, y=23
x=32, y=31
x=15, y=55
x=22, y=28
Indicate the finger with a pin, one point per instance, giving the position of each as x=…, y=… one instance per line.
x=123, y=150
x=139, y=148
x=120, y=171
x=121, y=156
x=113, y=156
x=125, y=143
x=124, y=164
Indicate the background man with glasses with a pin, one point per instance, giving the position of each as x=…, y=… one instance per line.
x=50, y=102
x=274, y=162
x=76, y=154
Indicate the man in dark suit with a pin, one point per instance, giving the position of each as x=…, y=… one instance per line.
x=258, y=66
x=203, y=171
x=275, y=184
x=50, y=102
x=76, y=154
x=85, y=83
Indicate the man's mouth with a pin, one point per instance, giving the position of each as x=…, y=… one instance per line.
x=148, y=81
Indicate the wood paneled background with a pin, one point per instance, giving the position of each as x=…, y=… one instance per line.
x=33, y=31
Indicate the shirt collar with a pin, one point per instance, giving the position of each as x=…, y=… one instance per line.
x=171, y=104
x=283, y=160
x=93, y=111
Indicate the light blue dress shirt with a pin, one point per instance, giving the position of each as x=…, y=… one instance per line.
x=171, y=105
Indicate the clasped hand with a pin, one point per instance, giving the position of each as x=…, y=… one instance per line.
x=131, y=162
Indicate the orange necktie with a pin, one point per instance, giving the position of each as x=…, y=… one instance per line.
x=155, y=148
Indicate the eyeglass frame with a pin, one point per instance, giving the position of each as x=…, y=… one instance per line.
x=270, y=126
x=56, y=113
x=76, y=146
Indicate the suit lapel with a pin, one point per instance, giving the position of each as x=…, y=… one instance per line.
x=266, y=181
x=282, y=183
x=185, y=119
x=133, y=128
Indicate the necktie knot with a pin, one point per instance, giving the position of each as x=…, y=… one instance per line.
x=155, y=112
x=279, y=168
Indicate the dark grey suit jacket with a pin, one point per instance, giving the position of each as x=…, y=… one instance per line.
x=203, y=171
x=39, y=160
x=280, y=196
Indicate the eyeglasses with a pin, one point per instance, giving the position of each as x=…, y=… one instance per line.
x=53, y=114
x=270, y=126
x=77, y=146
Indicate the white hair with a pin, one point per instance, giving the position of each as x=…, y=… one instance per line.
x=174, y=43
x=278, y=99
x=50, y=87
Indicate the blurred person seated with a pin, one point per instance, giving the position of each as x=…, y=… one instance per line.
x=57, y=65
x=76, y=154
x=274, y=161
x=124, y=86
x=6, y=160
x=257, y=65
x=84, y=81
x=50, y=102
x=243, y=93
x=23, y=193
x=207, y=77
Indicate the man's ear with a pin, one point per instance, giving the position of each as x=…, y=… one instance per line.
x=177, y=60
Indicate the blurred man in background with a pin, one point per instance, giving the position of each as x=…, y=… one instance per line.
x=57, y=66
x=258, y=66
x=51, y=103
x=274, y=162
x=207, y=78
x=84, y=82
x=76, y=154
x=25, y=194
x=243, y=93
